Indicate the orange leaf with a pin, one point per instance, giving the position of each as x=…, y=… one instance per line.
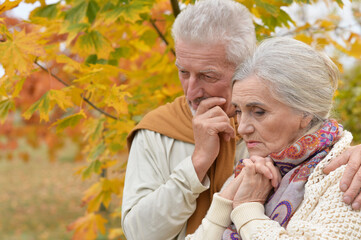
x=87, y=227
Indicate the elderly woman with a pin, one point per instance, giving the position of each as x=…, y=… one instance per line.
x=283, y=98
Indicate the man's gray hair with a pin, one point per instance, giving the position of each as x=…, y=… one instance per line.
x=217, y=22
x=297, y=75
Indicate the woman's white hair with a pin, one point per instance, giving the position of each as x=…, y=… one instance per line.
x=297, y=75
x=218, y=21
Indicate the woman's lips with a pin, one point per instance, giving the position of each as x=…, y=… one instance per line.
x=252, y=144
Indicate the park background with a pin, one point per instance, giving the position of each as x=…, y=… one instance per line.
x=77, y=75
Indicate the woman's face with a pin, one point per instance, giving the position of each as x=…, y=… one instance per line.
x=266, y=125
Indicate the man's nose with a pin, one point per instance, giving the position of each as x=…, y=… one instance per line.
x=194, y=89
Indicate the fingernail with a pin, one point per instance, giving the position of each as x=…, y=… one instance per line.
x=355, y=206
x=347, y=199
x=343, y=187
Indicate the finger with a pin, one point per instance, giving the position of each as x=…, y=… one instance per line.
x=356, y=204
x=275, y=181
x=354, y=189
x=220, y=127
x=249, y=167
x=261, y=167
x=213, y=112
x=350, y=173
x=337, y=162
x=209, y=103
x=230, y=190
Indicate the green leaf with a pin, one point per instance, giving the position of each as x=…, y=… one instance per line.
x=122, y=52
x=69, y=121
x=78, y=27
x=268, y=7
x=93, y=40
x=18, y=87
x=5, y=107
x=92, y=11
x=98, y=129
x=77, y=13
x=94, y=167
x=130, y=11
x=97, y=151
x=149, y=37
x=47, y=11
x=91, y=59
x=42, y=105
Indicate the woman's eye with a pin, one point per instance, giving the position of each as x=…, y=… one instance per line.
x=259, y=112
x=238, y=112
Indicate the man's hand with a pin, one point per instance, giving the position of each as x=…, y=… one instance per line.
x=209, y=123
x=351, y=179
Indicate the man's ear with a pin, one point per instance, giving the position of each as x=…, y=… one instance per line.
x=305, y=121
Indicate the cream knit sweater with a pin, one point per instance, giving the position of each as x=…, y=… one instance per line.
x=321, y=215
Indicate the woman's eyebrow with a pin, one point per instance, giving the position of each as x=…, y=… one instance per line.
x=252, y=104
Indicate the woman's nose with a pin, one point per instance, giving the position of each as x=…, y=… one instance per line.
x=245, y=127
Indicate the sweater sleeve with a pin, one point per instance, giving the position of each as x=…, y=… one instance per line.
x=215, y=222
x=322, y=215
x=161, y=188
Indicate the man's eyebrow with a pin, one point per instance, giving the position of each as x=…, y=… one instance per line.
x=178, y=66
x=208, y=70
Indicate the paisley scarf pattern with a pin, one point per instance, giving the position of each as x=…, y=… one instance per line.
x=296, y=164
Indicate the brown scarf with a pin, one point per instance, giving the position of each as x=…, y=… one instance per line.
x=174, y=120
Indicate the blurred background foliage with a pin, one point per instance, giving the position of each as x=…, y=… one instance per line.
x=79, y=74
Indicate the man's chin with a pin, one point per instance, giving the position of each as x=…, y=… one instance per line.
x=193, y=111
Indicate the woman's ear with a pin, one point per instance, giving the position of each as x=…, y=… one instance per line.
x=305, y=121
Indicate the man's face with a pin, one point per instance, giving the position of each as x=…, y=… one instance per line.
x=204, y=72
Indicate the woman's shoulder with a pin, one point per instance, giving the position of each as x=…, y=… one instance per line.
x=339, y=147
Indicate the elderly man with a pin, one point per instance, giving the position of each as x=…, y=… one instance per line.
x=170, y=180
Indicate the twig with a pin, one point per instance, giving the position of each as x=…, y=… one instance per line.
x=175, y=7
x=161, y=35
x=67, y=85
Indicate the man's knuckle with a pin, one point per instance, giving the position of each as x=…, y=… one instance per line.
x=353, y=166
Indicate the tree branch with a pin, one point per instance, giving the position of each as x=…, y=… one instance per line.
x=67, y=85
x=161, y=35
x=175, y=7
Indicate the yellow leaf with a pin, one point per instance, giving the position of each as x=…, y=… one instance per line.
x=7, y=5
x=116, y=98
x=61, y=98
x=327, y=24
x=87, y=227
x=304, y=38
x=302, y=28
x=355, y=50
x=115, y=233
x=69, y=61
x=19, y=52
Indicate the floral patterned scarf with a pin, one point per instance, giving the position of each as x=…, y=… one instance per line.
x=296, y=163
